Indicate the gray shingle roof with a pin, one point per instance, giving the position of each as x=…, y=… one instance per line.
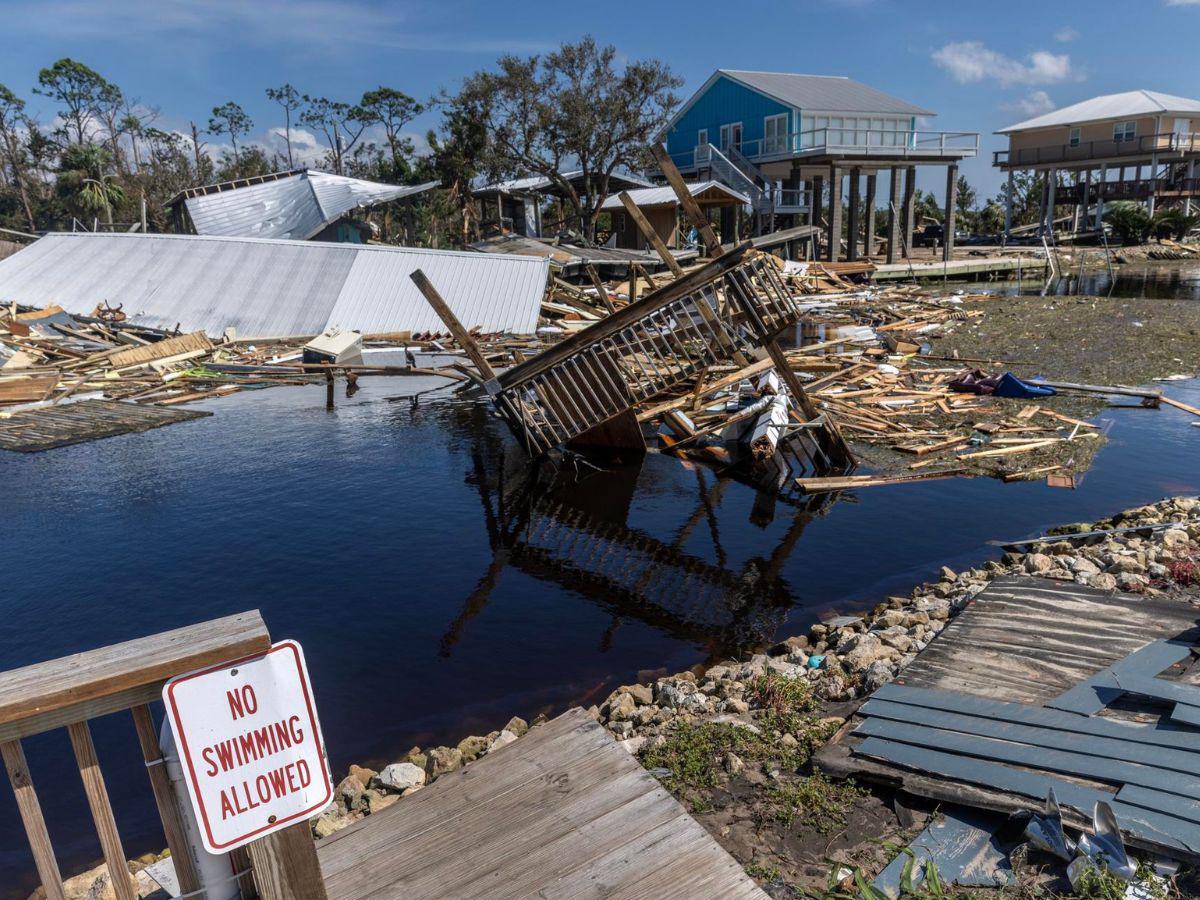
x=825, y=93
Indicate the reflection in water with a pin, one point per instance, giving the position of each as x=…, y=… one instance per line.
x=572, y=531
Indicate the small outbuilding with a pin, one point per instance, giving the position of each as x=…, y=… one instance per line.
x=660, y=206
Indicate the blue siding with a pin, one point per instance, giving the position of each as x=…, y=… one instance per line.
x=726, y=101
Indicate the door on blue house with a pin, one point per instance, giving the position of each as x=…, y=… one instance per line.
x=731, y=136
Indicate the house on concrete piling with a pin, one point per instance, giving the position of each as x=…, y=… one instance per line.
x=1137, y=145
x=792, y=143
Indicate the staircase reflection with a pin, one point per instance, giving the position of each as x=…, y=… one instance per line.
x=573, y=531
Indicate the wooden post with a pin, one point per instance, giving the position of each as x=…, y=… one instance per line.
x=446, y=314
x=600, y=288
x=907, y=218
x=687, y=201
x=649, y=233
x=31, y=816
x=286, y=866
x=164, y=797
x=102, y=814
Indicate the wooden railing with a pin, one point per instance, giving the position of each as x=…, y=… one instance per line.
x=1146, y=145
x=67, y=692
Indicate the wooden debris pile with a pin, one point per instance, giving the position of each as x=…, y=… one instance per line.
x=49, y=357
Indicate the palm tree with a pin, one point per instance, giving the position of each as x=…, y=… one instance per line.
x=84, y=174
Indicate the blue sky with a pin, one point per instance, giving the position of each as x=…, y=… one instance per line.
x=979, y=65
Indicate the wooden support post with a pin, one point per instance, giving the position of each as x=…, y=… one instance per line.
x=446, y=314
x=833, y=232
x=1008, y=206
x=164, y=797
x=835, y=445
x=869, y=231
x=949, y=219
x=102, y=814
x=600, y=288
x=1051, y=190
x=854, y=220
x=286, y=867
x=814, y=205
x=633, y=282
x=35, y=823
x=690, y=207
x=649, y=233
x=908, y=225
x=893, y=235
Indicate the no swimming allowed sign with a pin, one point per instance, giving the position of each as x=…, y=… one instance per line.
x=250, y=746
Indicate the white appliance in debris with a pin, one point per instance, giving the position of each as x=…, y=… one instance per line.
x=343, y=348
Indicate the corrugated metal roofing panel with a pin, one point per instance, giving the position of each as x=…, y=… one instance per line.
x=269, y=287
x=292, y=208
x=1109, y=106
x=493, y=292
x=658, y=196
x=825, y=93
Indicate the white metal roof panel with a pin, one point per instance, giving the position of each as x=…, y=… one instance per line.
x=271, y=287
x=825, y=93
x=293, y=208
x=493, y=292
x=660, y=196
x=1110, y=106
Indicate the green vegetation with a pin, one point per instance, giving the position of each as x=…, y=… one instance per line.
x=822, y=803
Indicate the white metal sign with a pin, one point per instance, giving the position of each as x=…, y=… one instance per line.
x=250, y=746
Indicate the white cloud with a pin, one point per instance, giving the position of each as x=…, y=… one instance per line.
x=1183, y=2
x=1032, y=104
x=307, y=149
x=1066, y=34
x=969, y=61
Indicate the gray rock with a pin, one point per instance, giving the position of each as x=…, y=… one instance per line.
x=1103, y=580
x=441, y=760
x=634, y=745
x=517, y=726
x=1081, y=565
x=1175, y=539
x=1128, y=581
x=877, y=675
x=1036, y=563
x=503, y=739
x=732, y=763
x=349, y=792
x=400, y=777
x=472, y=747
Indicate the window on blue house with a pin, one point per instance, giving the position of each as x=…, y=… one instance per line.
x=775, y=133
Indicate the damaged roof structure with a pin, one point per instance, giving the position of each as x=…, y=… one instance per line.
x=297, y=205
x=272, y=287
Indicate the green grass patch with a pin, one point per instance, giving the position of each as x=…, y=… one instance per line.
x=821, y=803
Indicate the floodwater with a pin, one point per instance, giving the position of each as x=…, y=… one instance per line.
x=438, y=587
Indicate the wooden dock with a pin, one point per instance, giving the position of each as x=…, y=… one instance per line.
x=970, y=268
x=563, y=812
x=89, y=420
x=1023, y=641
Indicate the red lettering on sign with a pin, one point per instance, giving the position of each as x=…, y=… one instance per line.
x=242, y=702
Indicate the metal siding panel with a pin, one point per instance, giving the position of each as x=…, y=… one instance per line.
x=494, y=292
x=725, y=102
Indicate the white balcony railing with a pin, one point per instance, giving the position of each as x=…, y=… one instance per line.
x=868, y=142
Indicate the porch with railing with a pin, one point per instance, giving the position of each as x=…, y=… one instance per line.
x=823, y=141
x=1129, y=189
x=1145, y=146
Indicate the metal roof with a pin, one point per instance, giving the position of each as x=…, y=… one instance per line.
x=1110, y=106
x=535, y=184
x=824, y=93
x=293, y=207
x=664, y=196
x=273, y=287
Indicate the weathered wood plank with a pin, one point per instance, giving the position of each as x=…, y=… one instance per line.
x=102, y=814
x=74, y=681
x=285, y=865
x=49, y=427
x=564, y=812
x=31, y=816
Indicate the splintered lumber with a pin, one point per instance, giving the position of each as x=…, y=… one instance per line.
x=1010, y=450
x=1028, y=474
x=649, y=233
x=185, y=343
x=1102, y=389
x=1175, y=403
x=848, y=482
x=690, y=207
x=933, y=448
x=26, y=390
x=461, y=335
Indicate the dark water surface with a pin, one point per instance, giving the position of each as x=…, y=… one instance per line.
x=428, y=609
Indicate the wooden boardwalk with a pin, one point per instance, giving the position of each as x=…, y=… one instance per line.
x=562, y=813
x=88, y=420
x=1023, y=640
